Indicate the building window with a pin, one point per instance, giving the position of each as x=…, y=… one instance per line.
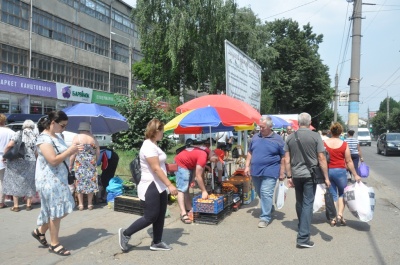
x=36, y=106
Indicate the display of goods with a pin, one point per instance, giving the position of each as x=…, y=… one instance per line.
x=214, y=204
x=127, y=204
x=227, y=187
x=130, y=193
x=211, y=218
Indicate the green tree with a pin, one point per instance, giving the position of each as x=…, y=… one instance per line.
x=296, y=78
x=379, y=123
x=139, y=112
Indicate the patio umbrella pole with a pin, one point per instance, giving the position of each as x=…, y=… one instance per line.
x=212, y=166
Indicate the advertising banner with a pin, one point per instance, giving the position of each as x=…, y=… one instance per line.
x=26, y=86
x=243, y=76
x=74, y=93
x=103, y=98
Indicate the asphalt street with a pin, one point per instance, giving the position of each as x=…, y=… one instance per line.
x=92, y=235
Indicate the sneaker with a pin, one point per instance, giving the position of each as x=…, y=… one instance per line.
x=160, y=246
x=310, y=244
x=123, y=240
x=262, y=224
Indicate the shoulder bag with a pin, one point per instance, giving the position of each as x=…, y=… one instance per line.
x=17, y=151
x=71, y=174
x=316, y=172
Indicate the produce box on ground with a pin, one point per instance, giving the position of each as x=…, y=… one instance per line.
x=127, y=204
x=211, y=218
x=214, y=204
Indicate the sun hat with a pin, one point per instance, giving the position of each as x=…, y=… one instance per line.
x=84, y=126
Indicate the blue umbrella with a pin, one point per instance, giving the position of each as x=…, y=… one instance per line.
x=278, y=122
x=103, y=120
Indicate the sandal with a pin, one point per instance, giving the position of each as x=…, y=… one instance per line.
x=37, y=235
x=28, y=207
x=14, y=209
x=341, y=220
x=333, y=222
x=186, y=220
x=62, y=251
x=80, y=207
x=90, y=207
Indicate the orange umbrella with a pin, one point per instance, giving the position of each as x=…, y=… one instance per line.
x=295, y=125
x=223, y=101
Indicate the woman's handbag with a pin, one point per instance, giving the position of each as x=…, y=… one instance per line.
x=71, y=174
x=330, y=209
x=17, y=151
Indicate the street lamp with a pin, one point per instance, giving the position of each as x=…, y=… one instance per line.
x=130, y=59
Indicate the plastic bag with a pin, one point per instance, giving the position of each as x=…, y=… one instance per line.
x=364, y=170
x=319, y=200
x=115, y=185
x=330, y=209
x=280, y=194
x=360, y=200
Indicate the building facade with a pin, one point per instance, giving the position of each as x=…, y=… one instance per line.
x=54, y=53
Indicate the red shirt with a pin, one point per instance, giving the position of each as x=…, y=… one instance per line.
x=191, y=157
x=337, y=159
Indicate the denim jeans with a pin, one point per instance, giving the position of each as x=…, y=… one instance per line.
x=338, y=179
x=265, y=187
x=305, y=193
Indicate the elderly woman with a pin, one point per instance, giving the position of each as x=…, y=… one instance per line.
x=84, y=164
x=19, y=176
x=340, y=158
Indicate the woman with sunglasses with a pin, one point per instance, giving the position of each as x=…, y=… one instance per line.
x=52, y=180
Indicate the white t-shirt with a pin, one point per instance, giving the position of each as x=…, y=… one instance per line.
x=5, y=137
x=221, y=137
x=149, y=149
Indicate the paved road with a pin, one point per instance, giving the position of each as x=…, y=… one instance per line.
x=92, y=236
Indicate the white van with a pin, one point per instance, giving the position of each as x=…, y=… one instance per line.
x=364, y=136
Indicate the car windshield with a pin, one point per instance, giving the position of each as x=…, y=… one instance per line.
x=363, y=133
x=393, y=137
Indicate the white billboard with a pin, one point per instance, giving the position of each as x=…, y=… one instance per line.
x=343, y=98
x=243, y=76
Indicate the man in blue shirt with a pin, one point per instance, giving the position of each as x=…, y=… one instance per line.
x=265, y=165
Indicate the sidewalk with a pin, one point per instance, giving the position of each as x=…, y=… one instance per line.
x=92, y=238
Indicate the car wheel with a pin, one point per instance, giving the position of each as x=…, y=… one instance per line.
x=377, y=150
x=385, y=153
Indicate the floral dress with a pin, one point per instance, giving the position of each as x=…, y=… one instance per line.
x=85, y=170
x=52, y=183
x=19, y=177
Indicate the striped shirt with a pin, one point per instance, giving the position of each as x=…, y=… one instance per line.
x=353, y=145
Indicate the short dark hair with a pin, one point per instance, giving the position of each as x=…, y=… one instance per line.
x=350, y=132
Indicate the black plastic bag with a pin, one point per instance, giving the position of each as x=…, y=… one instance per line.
x=17, y=150
x=329, y=206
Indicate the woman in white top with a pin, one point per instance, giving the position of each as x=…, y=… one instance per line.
x=152, y=189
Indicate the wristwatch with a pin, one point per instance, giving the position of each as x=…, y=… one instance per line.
x=288, y=177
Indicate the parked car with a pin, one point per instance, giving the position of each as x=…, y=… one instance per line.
x=388, y=143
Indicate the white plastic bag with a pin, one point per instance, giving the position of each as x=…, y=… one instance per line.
x=280, y=195
x=360, y=200
x=319, y=200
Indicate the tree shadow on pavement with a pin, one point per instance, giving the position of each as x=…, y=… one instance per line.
x=83, y=238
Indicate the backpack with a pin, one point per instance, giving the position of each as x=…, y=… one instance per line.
x=235, y=153
x=135, y=169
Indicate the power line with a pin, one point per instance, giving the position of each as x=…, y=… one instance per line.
x=290, y=9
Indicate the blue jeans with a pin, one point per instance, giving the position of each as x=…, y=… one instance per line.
x=305, y=193
x=265, y=187
x=338, y=179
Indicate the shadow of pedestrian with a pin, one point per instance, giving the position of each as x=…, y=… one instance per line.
x=170, y=235
x=83, y=238
x=313, y=230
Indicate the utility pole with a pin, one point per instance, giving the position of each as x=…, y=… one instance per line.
x=336, y=96
x=387, y=111
x=354, y=80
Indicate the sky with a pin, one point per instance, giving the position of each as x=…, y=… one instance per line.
x=380, y=42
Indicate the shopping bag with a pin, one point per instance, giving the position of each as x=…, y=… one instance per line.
x=330, y=209
x=364, y=170
x=280, y=195
x=319, y=200
x=360, y=200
